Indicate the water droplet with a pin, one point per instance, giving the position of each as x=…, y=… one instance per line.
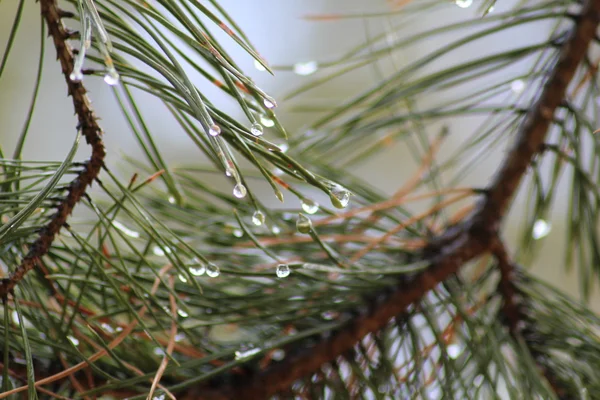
x=306, y=68
x=275, y=230
x=329, y=315
x=464, y=3
x=266, y=121
x=159, y=251
x=126, y=230
x=107, y=327
x=259, y=66
x=303, y=224
x=171, y=199
x=242, y=354
x=454, y=350
x=269, y=104
x=283, y=270
x=182, y=278
x=197, y=270
x=541, y=229
x=258, y=218
x=212, y=270
x=215, y=130
x=340, y=197
x=76, y=76
x=179, y=337
x=111, y=77
x=159, y=397
x=283, y=147
x=239, y=191
x=182, y=313
x=517, y=86
x=256, y=129
x=278, y=354
x=310, y=206
x=73, y=340
x=238, y=233
x=227, y=172
x=158, y=351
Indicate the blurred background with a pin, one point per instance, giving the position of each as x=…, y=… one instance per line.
x=296, y=38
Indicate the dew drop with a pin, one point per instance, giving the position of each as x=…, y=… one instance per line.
x=242, y=354
x=517, y=86
x=76, y=76
x=159, y=397
x=198, y=270
x=278, y=354
x=454, y=350
x=238, y=233
x=541, y=229
x=259, y=66
x=111, y=77
x=256, y=129
x=339, y=197
x=283, y=270
x=126, y=230
x=182, y=313
x=258, y=218
x=464, y=3
x=212, y=270
x=182, y=278
x=283, y=147
x=269, y=104
x=239, y=191
x=266, y=121
x=306, y=68
x=303, y=224
x=215, y=130
x=275, y=230
x=329, y=315
x=310, y=206
x=171, y=199
x=227, y=172
x=157, y=251
x=179, y=337
x=73, y=340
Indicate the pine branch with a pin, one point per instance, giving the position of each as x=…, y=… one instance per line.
x=514, y=316
x=87, y=124
x=461, y=243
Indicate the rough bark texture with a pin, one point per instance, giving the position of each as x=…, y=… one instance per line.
x=87, y=123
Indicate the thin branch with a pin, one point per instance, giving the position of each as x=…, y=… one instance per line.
x=87, y=123
x=519, y=325
x=456, y=246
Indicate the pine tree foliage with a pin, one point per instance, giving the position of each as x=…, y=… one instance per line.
x=164, y=286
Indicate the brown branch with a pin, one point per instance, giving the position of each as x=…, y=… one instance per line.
x=514, y=316
x=91, y=131
x=506, y=287
x=458, y=245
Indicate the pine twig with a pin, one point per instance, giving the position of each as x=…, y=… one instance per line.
x=459, y=244
x=514, y=317
x=87, y=123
